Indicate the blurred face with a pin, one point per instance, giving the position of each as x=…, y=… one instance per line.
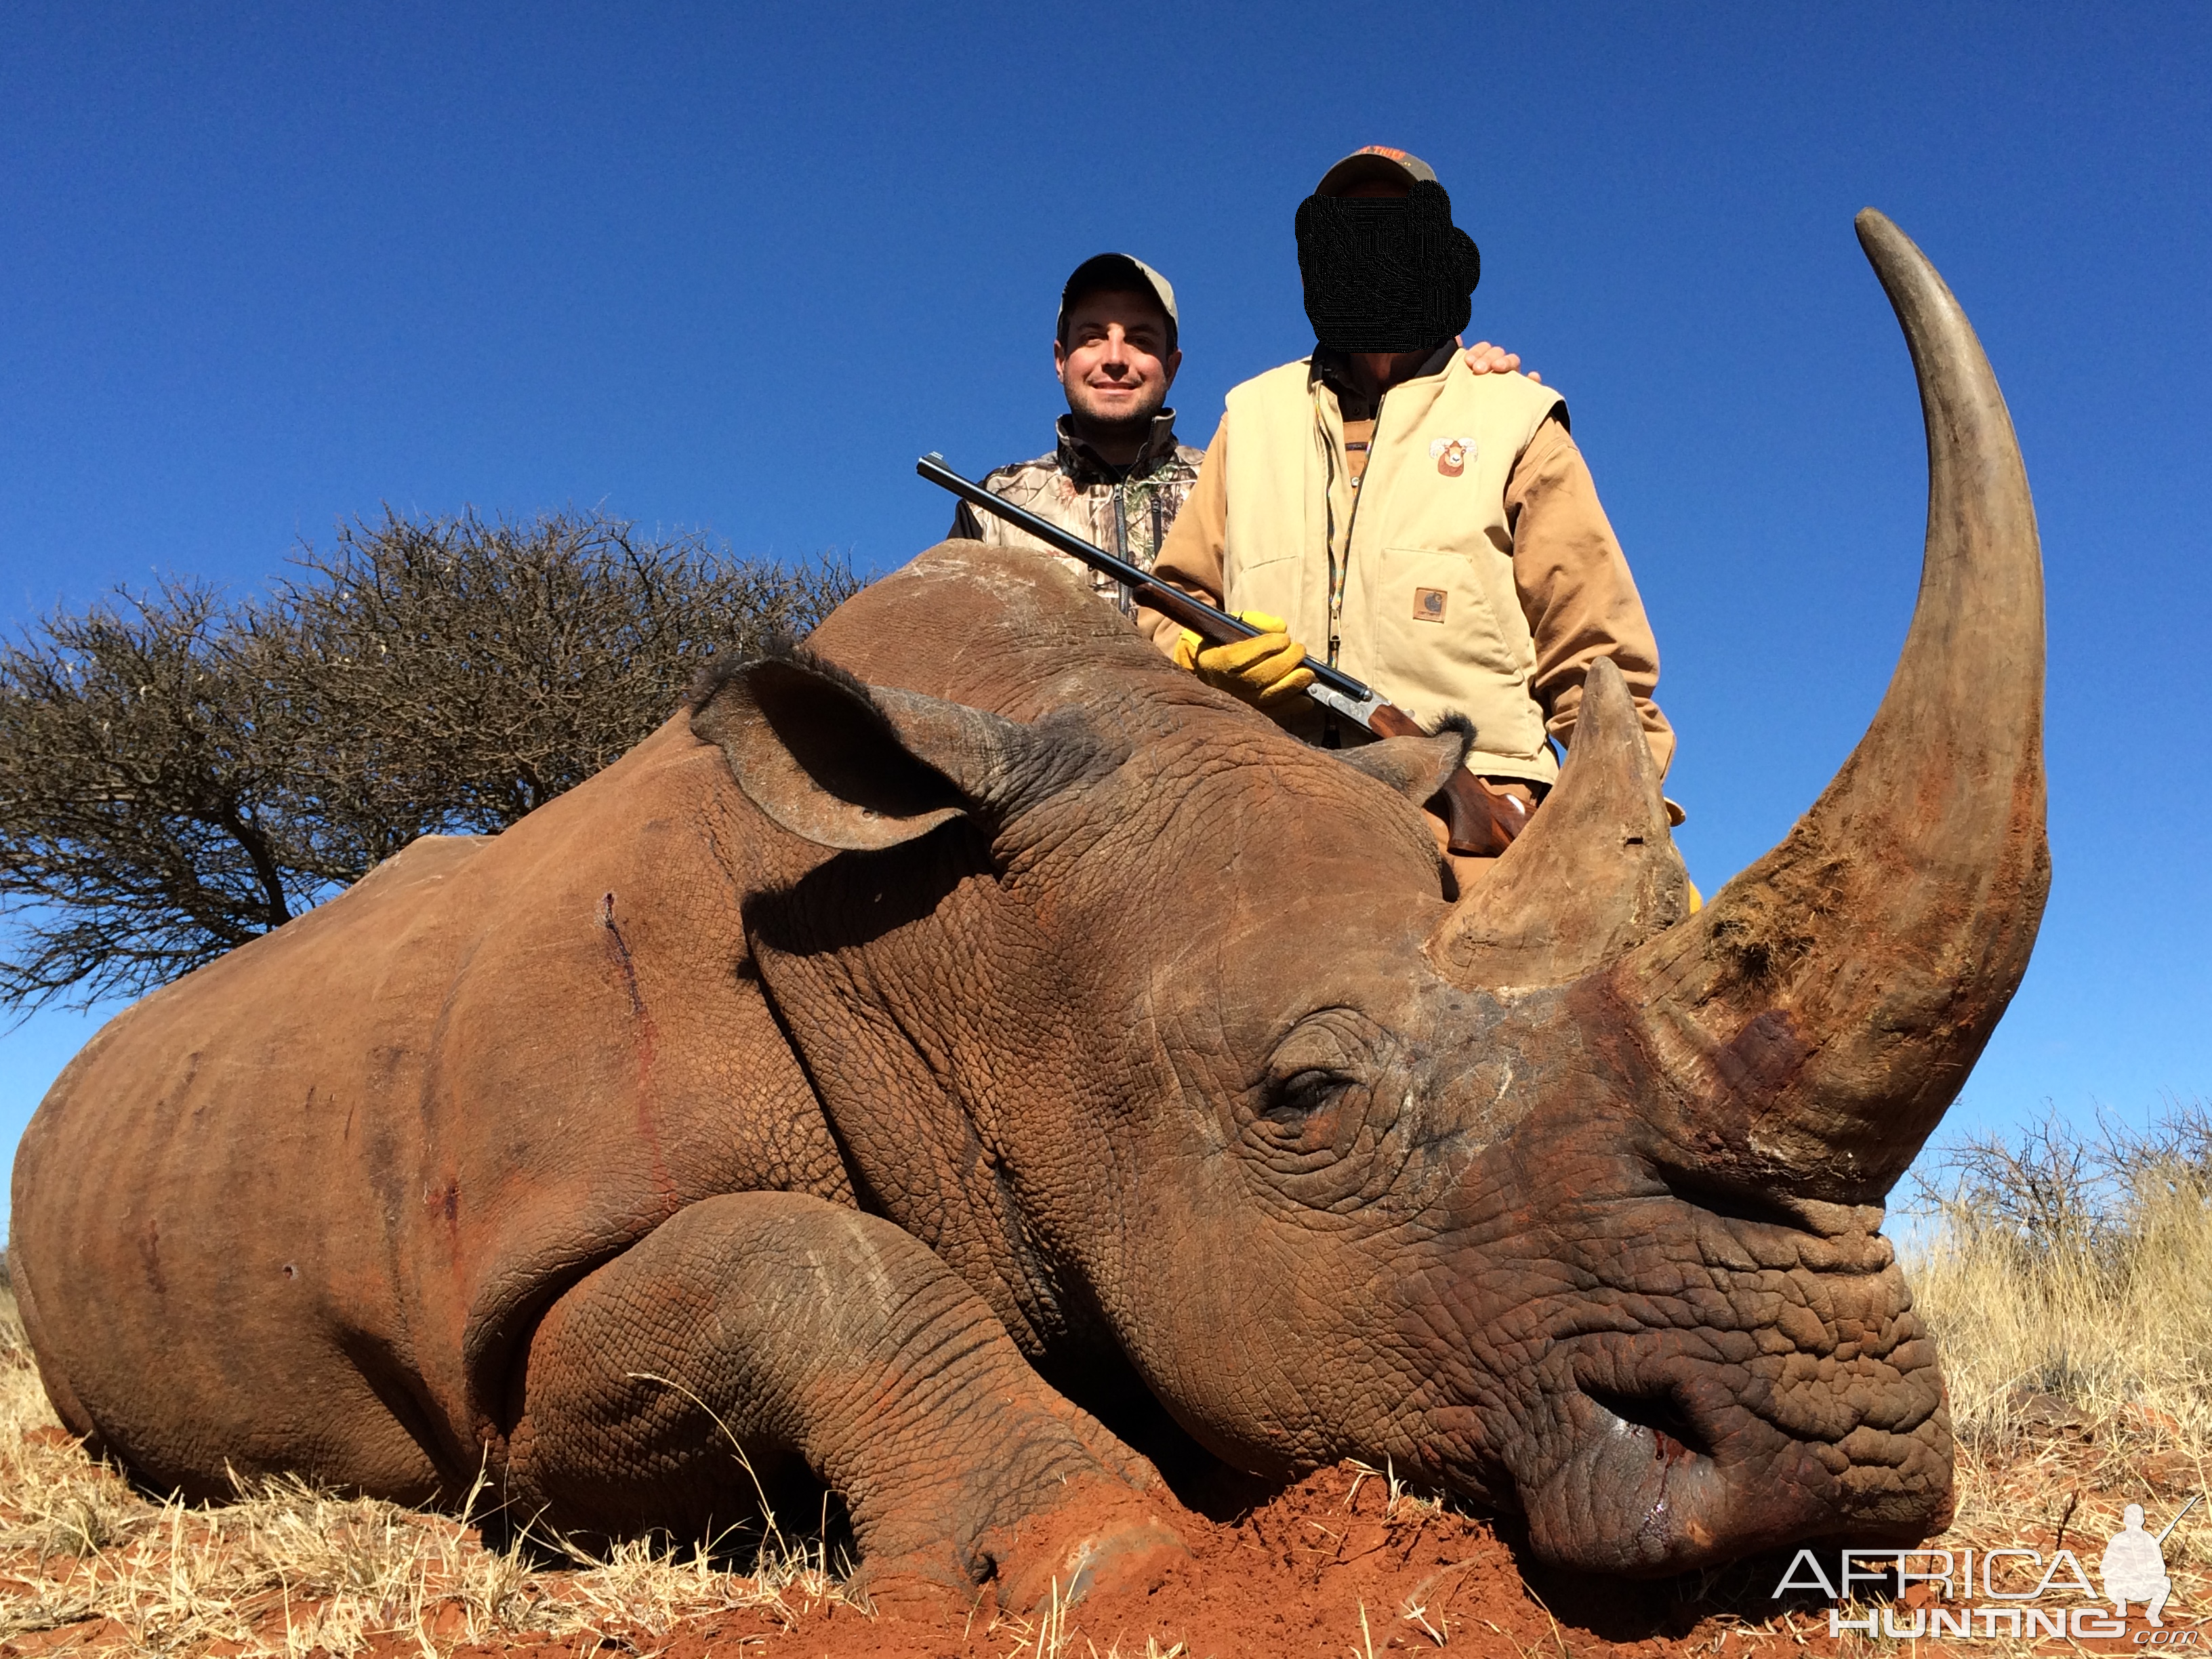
x=1115, y=364
x=1379, y=371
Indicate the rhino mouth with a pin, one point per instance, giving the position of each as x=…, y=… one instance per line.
x=1666, y=1431
x=1679, y=1464
x=1643, y=1469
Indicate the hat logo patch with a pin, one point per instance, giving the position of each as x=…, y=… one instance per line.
x=1451, y=455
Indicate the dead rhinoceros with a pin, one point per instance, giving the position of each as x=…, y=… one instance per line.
x=883, y=1056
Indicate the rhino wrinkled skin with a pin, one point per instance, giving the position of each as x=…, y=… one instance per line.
x=970, y=1028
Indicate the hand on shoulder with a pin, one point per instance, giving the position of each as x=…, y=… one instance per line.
x=1484, y=358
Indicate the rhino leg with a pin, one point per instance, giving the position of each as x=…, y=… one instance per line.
x=795, y=1327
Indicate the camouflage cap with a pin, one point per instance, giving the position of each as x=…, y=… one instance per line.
x=1118, y=273
x=1373, y=162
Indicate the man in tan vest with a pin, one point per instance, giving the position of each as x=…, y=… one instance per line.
x=1431, y=531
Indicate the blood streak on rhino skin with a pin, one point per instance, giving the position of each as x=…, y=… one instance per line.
x=880, y=1045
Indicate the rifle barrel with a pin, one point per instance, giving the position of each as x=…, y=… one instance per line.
x=1159, y=594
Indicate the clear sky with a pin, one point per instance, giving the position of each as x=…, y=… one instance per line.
x=735, y=267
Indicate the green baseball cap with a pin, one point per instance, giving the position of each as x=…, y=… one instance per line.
x=1116, y=273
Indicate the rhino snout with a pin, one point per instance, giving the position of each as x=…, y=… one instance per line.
x=1756, y=1406
x=1693, y=1374
x=1655, y=1479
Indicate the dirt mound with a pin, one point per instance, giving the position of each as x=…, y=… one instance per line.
x=1340, y=1562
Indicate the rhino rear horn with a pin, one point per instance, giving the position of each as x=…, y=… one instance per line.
x=1806, y=1030
x=844, y=764
x=1594, y=872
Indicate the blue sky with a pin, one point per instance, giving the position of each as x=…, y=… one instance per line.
x=262, y=271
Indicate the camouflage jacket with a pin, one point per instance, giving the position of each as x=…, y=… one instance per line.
x=1127, y=512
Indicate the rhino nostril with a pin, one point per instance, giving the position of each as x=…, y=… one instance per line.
x=1732, y=1203
x=1675, y=1434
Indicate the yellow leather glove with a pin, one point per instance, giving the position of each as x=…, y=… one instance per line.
x=1266, y=671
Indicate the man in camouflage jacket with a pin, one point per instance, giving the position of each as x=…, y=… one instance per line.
x=1117, y=476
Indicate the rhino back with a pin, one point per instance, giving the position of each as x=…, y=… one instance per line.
x=297, y=1210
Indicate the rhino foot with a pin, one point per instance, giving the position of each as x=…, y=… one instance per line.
x=1101, y=1538
x=753, y=1330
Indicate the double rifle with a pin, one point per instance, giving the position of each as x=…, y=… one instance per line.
x=1481, y=820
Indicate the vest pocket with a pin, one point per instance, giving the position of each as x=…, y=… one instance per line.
x=1441, y=645
x=1430, y=608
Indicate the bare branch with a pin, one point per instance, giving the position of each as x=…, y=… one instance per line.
x=179, y=775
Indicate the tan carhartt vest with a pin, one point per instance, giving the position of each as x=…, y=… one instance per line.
x=1428, y=613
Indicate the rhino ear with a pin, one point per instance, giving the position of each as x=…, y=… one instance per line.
x=1416, y=766
x=845, y=764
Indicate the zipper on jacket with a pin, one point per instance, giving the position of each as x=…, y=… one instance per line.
x=1328, y=516
x=1330, y=736
x=1123, y=598
x=1351, y=527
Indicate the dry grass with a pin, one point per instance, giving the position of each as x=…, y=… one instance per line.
x=2096, y=1291
x=2080, y=1370
x=2067, y=1279
x=287, y=1569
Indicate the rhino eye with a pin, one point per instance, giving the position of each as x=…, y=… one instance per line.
x=1305, y=1092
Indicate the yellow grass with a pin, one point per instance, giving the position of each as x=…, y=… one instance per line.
x=2117, y=1325
x=2067, y=1283
x=287, y=1569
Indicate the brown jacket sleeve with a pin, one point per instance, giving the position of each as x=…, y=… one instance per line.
x=1190, y=555
x=1575, y=587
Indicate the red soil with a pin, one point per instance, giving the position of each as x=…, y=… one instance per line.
x=1326, y=1567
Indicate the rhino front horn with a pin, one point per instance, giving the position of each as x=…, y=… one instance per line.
x=1806, y=1030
